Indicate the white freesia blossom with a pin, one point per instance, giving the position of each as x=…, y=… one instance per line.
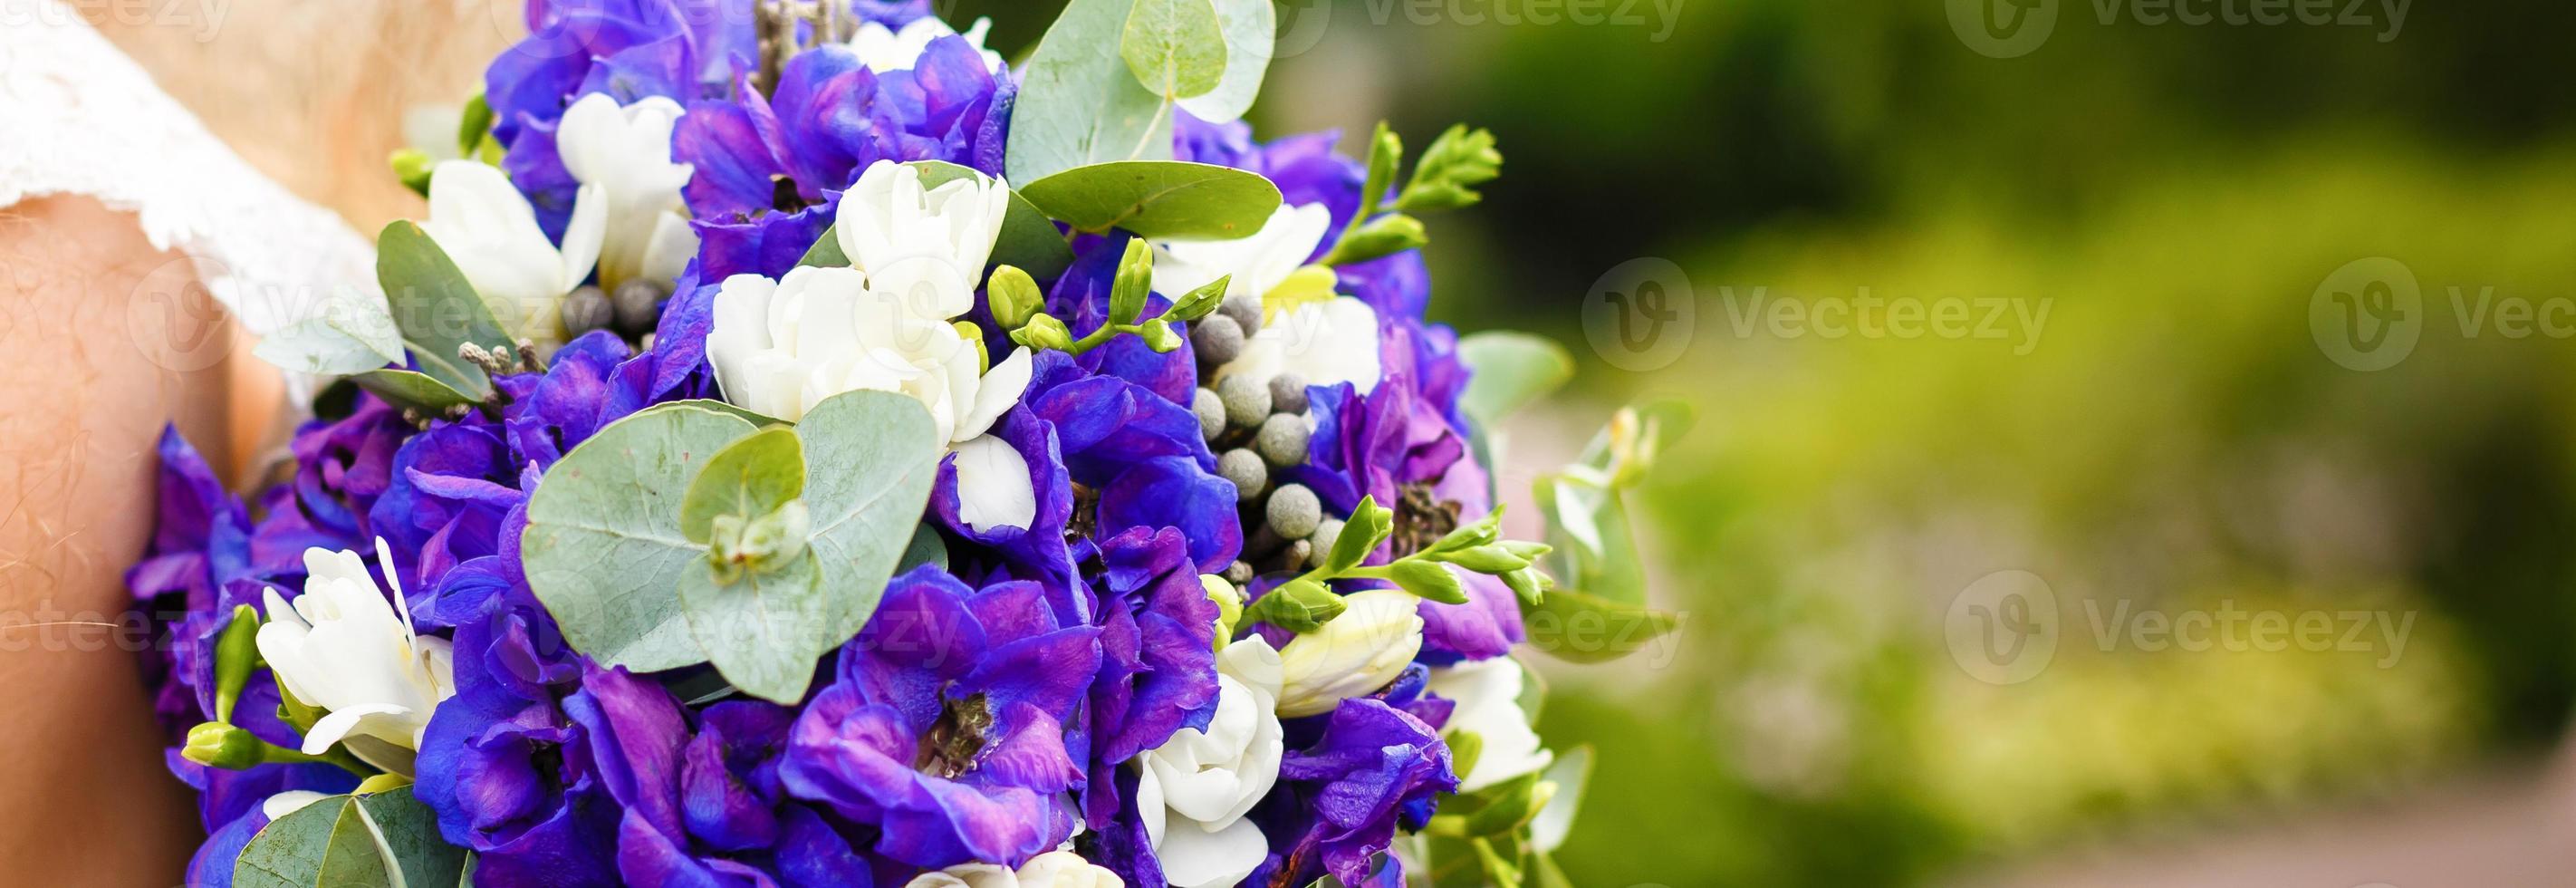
x=488, y=228
x=1488, y=696
x=343, y=648
x=1194, y=790
x=1054, y=869
x=1325, y=342
x=781, y=347
x=625, y=153
x=1358, y=652
x=1258, y=263
x=885, y=49
x=927, y=246
x=627, y=221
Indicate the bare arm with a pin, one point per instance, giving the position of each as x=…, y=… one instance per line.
x=102, y=341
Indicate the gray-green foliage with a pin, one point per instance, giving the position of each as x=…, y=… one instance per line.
x=364, y=841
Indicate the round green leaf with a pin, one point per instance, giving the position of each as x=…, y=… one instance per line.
x=1158, y=199
x=748, y=478
x=1079, y=104
x=764, y=630
x=1251, y=33
x=435, y=308
x=604, y=550
x=871, y=458
x=1176, y=48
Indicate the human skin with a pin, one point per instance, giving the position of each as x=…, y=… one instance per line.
x=103, y=341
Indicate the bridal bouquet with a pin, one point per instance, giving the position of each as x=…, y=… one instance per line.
x=801, y=448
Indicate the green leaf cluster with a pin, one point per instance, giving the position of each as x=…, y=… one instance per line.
x=1307, y=602
x=1012, y=296
x=368, y=840
x=1445, y=179
x=688, y=533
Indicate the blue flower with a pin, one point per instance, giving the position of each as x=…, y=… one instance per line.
x=946, y=723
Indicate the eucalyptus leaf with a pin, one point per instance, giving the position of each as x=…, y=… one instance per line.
x=873, y=456
x=604, y=550
x=1079, y=104
x=1510, y=370
x=1027, y=241
x=303, y=848
x=748, y=478
x=826, y=252
x=436, y=309
x=1251, y=35
x=412, y=391
x=1158, y=199
x=1581, y=628
x=353, y=333
x=764, y=630
x=1176, y=48
x=926, y=548
x=407, y=838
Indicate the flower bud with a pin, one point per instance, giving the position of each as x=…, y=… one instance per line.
x=1013, y=296
x=1229, y=605
x=1300, y=605
x=236, y=654
x=1358, y=652
x=1044, y=331
x=219, y=745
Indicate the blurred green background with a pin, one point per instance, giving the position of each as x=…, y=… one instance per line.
x=2172, y=439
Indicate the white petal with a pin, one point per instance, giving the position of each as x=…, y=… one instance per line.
x=1000, y=389
x=672, y=246
x=347, y=720
x=276, y=807
x=1194, y=858
x=993, y=489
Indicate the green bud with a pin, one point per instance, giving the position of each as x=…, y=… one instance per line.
x=1301, y=605
x=1481, y=532
x=412, y=167
x=1464, y=748
x=1378, y=238
x=771, y=541
x=1489, y=560
x=1428, y=580
x=474, y=125
x=1201, y=302
x=236, y=654
x=233, y=748
x=1134, y=283
x=1043, y=331
x=1527, y=551
x=1450, y=169
x=1159, y=336
x=1229, y=606
x=1013, y=295
x=1386, y=153
x=1361, y=533
x=1528, y=584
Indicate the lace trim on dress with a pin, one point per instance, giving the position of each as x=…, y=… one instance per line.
x=78, y=117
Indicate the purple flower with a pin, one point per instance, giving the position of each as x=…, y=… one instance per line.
x=1158, y=639
x=946, y=724
x=1371, y=768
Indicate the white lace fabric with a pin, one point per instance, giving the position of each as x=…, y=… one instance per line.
x=79, y=118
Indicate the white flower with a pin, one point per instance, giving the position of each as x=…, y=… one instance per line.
x=628, y=220
x=1054, y=869
x=276, y=807
x=883, y=49
x=1488, y=696
x=1325, y=342
x=625, y=153
x=343, y=648
x=1194, y=791
x=1258, y=263
x=781, y=347
x=927, y=246
x=1358, y=652
x=487, y=227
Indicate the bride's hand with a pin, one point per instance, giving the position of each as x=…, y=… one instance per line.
x=103, y=340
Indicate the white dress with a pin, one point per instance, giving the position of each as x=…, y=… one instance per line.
x=77, y=117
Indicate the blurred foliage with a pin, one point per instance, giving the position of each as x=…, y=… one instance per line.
x=2175, y=440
